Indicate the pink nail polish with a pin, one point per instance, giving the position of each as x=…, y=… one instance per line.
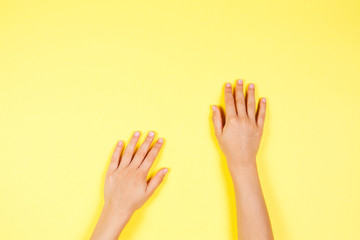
x=136, y=134
x=263, y=100
x=160, y=140
x=213, y=108
x=228, y=85
x=120, y=143
x=251, y=86
x=165, y=171
x=151, y=134
x=240, y=82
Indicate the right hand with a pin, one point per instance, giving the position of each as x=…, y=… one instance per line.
x=239, y=138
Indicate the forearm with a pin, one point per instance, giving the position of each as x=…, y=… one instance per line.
x=252, y=216
x=109, y=225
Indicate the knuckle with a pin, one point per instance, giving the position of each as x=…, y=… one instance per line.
x=157, y=179
x=156, y=147
x=233, y=120
x=140, y=174
x=243, y=120
x=125, y=171
x=229, y=101
x=240, y=99
x=145, y=164
x=151, y=156
x=129, y=168
x=141, y=152
x=128, y=155
x=251, y=104
x=254, y=127
x=214, y=119
x=258, y=131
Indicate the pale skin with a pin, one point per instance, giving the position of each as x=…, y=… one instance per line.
x=126, y=185
x=239, y=136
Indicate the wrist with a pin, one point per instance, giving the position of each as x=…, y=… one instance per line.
x=116, y=218
x=111, y=223
x=239, y=163
x=117, y=211
x=241, y=169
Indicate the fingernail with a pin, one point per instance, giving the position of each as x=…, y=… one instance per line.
x=240, y=82
x=165, y=170
x=251, y=86
x=151, y=134
x=228, y=85
x=213, y=108
x=263, y=100
x=160, y=140
x=120, y=143
x=136, y=133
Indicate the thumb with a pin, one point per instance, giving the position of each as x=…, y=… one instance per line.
x=217, y=120
x=155, y=181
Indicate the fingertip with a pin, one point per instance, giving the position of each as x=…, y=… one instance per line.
x=215, y=113
x=263, y=100
x=213, y=108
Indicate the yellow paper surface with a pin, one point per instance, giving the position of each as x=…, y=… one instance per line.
x=77, y=76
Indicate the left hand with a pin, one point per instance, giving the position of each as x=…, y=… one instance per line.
x=126, y=188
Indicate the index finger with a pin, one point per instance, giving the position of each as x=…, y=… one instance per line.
x=229, y=101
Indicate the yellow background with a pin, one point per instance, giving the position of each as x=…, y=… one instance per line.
x=77, y=76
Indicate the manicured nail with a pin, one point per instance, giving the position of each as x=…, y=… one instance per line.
x=165, y=170
x=151, y=134
x=120, y=143
x=263, y=100
x=136, y=134
x=160, y=140
x=213, y=108
x=228, y=85
x=240, y=82
x=251, y=86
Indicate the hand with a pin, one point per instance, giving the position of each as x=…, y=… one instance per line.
x=126, y=188
x=239, y=138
